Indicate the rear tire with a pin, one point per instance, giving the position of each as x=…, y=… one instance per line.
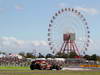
x=31, y=67
x=56, y=67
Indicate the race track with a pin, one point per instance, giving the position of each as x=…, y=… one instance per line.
x=43, y=72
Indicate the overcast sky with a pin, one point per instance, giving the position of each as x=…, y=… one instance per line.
x=24, y=23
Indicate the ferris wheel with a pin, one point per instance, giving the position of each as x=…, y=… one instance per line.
x=68, y=31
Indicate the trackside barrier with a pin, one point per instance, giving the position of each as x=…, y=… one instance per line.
x=98, y=66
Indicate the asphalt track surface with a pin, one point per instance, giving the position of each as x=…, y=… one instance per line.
x=36, y=71
x=26, y=72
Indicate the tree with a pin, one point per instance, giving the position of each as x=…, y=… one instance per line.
x=22, y=54
x=72, y=54
x=29, y=55
x=49, y=55
x=94, y=57
x=40, y=56
x=2, y=52
x=98, y=58
x=61, y=55
x=87, y=57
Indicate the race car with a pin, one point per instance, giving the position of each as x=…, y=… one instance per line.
x=43, y=65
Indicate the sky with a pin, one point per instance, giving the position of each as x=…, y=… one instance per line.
x=24, y=23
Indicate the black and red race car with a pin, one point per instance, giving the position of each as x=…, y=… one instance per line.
x=44, y=65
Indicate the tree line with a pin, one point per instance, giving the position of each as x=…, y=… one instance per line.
x=93, y=57
x=58, y=55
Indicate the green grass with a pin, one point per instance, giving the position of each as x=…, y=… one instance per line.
x=48, y=72
x=13, y=67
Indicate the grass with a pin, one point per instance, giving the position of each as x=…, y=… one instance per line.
x=13, y=67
